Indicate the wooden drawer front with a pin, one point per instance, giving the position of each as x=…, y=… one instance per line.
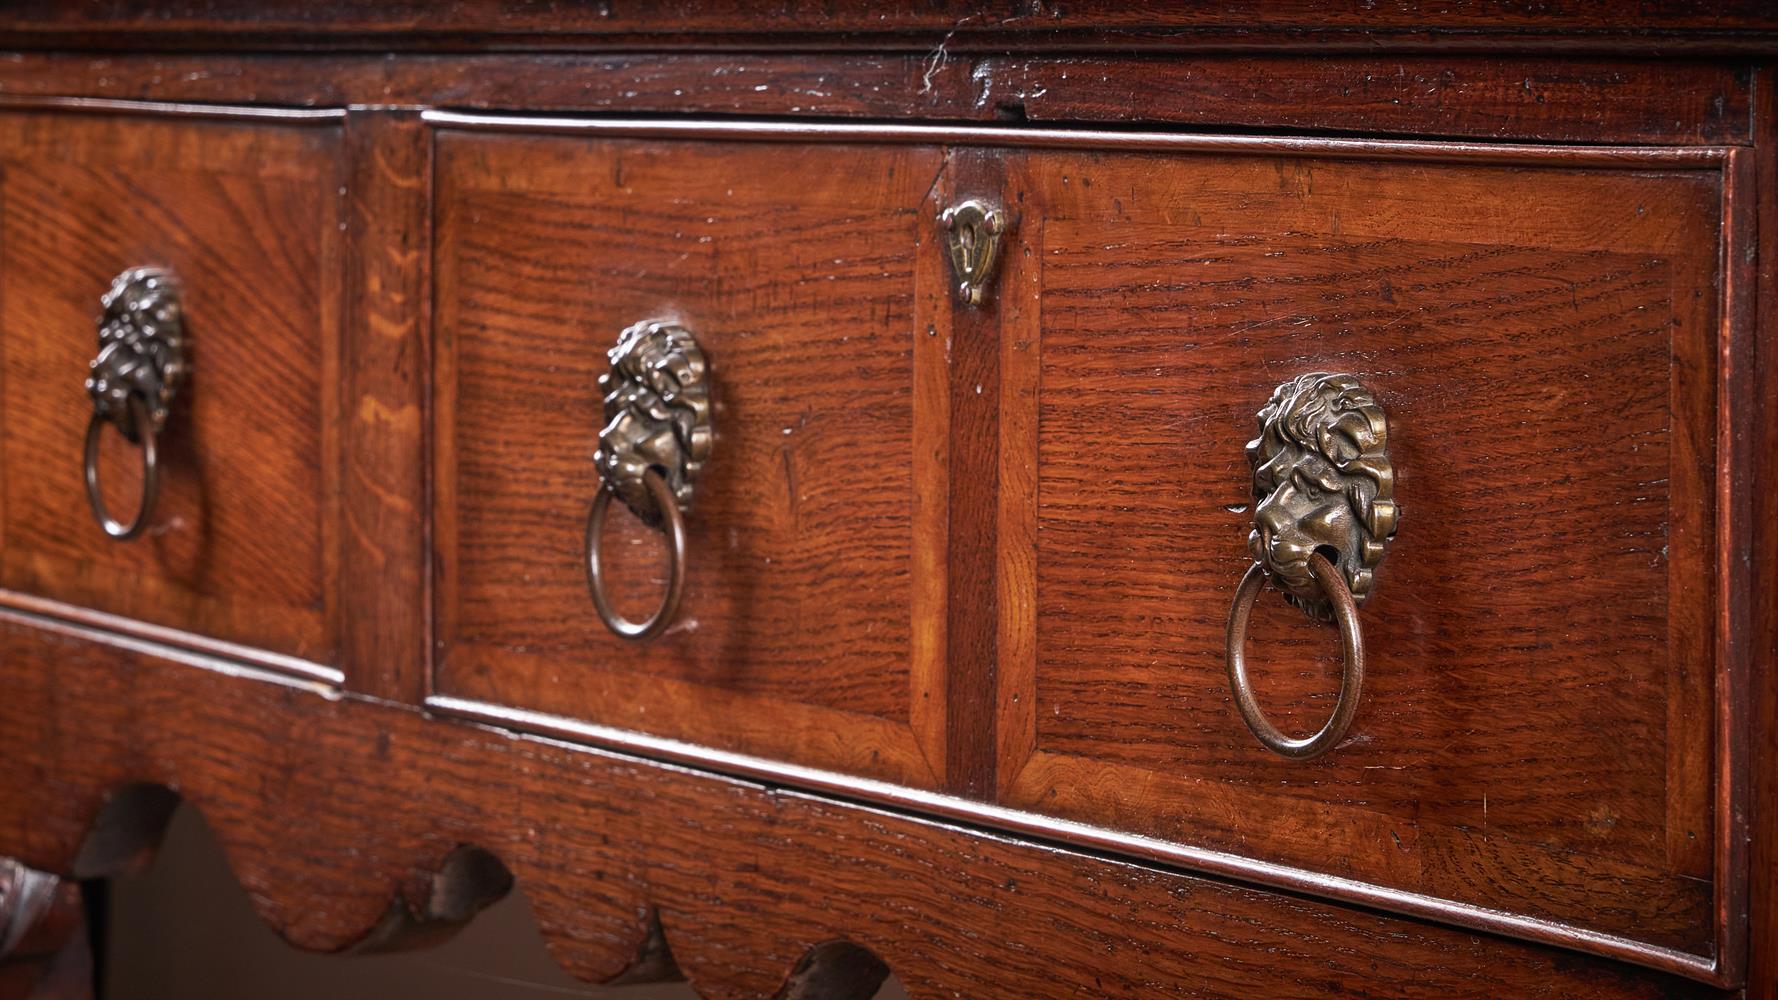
x=794, y=266
x=1539, y=730
x=246, y=215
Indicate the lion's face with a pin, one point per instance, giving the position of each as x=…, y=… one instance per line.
x=1305, y=509
x=141, y=348
x=1322, y=482
x=657, y=415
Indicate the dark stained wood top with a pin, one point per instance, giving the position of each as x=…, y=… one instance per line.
x=946, y=25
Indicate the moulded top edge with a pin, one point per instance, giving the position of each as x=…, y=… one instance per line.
x=1710, y=157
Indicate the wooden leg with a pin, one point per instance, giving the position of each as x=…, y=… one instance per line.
x=44, y=952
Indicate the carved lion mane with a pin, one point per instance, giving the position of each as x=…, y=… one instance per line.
x=141, y=338
x=657, y=415
x=1322, y=438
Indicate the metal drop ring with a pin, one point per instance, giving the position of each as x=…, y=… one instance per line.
x=151, y=477
x=1351, y=680
x=675, y=527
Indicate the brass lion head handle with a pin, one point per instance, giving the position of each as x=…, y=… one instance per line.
x=133, y=381
x=1324, y=512
x=656, y=439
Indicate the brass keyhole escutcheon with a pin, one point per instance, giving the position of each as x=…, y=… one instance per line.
x=973, y=231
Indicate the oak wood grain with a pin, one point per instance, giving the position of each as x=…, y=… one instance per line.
x=794, y=267
x=330, y=808
x=383, y=576
x=247, y=216
x=973, y=346
x=1498, y=96
x=1569, y=729
x=1494, y=97
x=1545, y=882
x=1539, y=727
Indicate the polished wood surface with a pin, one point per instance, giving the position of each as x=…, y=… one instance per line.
x=1521, y=96
x=382, y=575
x=1715, y=25
x=1096, y=725
x=817, y=528
x=1762, y=484
x=1536, y=734
x=247, y=216
x=948, y=690
x=332, y=809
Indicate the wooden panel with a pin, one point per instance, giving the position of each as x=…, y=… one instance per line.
x=1564, y=98
x=1537, y=732
x=1588, y=100
x=383, y=574
x=817, y=533
x=247, y=215
x=339, y=813
x=1762, y=476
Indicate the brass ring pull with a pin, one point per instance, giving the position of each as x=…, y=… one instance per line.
x=595, y=573
x=656, y=439
x=132, y=382
x=151, y=477
x=1345, y=612
x=1322, y=483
